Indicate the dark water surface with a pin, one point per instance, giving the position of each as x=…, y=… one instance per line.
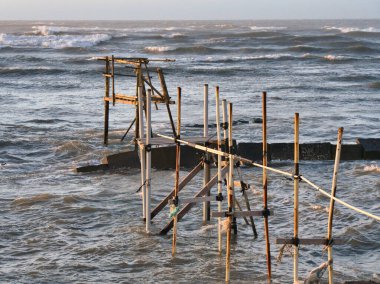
x=58, y=226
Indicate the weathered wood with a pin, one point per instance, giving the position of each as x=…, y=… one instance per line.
x=181, y=185
x=332, y=202
x=206, y=169
x=220, y=178
x=308, y=241
x=238, y=214
x=244, y=188
x=187, y=208
x=230, y=196
x=296, y=189
x=237, y=204
x=177, y=167
x=142, y=150
x=148, y=160
x=132, y=100
x=265, y=185
x=113, y=80
x=106, y=105
x=166, y=97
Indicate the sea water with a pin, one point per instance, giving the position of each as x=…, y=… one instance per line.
x=59, y=226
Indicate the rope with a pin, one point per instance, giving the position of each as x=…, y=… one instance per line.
x=235, y=157
x=340, y=201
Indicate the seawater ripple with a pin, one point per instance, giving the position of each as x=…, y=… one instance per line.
x=59, y=226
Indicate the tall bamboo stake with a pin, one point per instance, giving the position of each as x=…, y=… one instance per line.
x=296, y=189
x=230, y=195
x=206, y=178
x=219, y=168
x=142, y=149
x=177, y=168
x=106, y=103
x=332, y=202
x=265, y=185
x=225, y=127
x=148, y=159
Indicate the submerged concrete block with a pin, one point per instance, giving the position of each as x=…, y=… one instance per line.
x=281, y=151
x=128, y=159
x=315, y=151
x=91, y=168
x=349, y=152
x=252, y=151
x=371, y=148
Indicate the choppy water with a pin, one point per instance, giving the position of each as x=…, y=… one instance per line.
x=58, y=226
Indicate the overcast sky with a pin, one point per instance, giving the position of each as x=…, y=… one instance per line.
x=187, y=9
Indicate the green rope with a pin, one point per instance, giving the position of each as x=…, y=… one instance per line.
x=173, y=212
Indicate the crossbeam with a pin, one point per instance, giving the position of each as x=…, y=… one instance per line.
x=306, y=241
x=205, y=189
x=260, y=213
x=181, y=185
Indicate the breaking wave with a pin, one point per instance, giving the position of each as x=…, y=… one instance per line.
x=352, y=29
x=52, y=41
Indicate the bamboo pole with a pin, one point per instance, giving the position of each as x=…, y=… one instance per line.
x=142, y=149
x=265, y=185
x=230, y=196
x=148, y=159
x=177, y=168
x=296, y=190
x=106, y=103
x=225, y=125
x=220, y=194
x=230, y=151
x=206, y=168
x=332, y=203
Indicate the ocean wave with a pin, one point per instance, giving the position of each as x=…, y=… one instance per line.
x=198, y=49
x=32, y=71
x=374, y=168
x=304, y=48
x=256, y=28
x=52, y=41
x=331, y=57
x=352, y=29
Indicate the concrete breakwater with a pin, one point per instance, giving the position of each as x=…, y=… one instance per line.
x=164, y=157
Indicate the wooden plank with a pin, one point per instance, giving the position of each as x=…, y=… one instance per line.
x=197, y=199
x=259, y=213
x=187, y=208
x=181, y=185
x=308, y=241
x=165, y=141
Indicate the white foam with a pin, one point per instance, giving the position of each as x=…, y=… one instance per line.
x=372, y=168
x=256, y=28
x=352, y=29
x=52, y=41
x=331, y=57
x=156, y=49
x=173, y=35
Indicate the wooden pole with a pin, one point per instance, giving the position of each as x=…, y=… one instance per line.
x=142, y=149
x=220, y=178
x=332, y=202
x=265, y=186
x=148, y=159
x=113, y=80
x=106, y=103
x=296, y=189
x=177, y=168
x=230, y=196
x=230, y=151
x=206, y=175
x=225, y=126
